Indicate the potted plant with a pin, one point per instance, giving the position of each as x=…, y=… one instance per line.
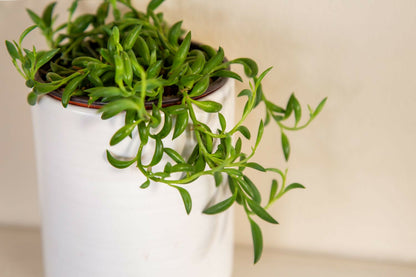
x=167, y=107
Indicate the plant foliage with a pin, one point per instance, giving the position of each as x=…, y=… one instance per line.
x=136, y=58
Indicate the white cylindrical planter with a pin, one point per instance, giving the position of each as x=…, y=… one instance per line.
x=97, y=222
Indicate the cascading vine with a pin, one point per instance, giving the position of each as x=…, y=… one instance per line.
x=136, y=58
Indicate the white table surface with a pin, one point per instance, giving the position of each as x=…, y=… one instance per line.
x=20, y=256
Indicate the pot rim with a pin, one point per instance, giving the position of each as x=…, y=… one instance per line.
x=82, y=101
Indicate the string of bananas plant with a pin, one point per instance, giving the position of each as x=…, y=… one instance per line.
x=137, y=58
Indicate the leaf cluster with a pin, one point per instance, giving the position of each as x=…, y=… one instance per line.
x=133, y=63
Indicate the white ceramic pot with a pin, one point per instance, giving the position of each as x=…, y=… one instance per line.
x=97, y=222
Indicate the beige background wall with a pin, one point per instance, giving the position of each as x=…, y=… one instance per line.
x=357, y=159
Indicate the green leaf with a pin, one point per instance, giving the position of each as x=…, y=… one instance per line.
x=81, y=23
x=218, y=178
x=26, y=32
x=157, y=156
x=175, y=33
x=250, y=67
x=200, y=87
x=180, y=124
x=198, y=64
x=257, y=240
x=145, y=184
x=186, y=197
x=208, y=50
x=104, y=92
x=252, y=189
x=319, y=107
x=142, y=49
x=217, y=59
x=227, y=74
x=245, y=92
x=131, y=37
x=244, y=131
x=293, y=186
x=261, y=212
x=182, y=53
x=36, y=19
x=44, y=57
x=274, y=108
x=12, y=50
x=153, y=5
x=238, y=146
x=119, y=163
x=70, y=88
x=143, y=133
x=32, y=98
x=221, y=206
x=259, y=133
x=285, y=146
x=154, y=70
x=298, y=110
x=42, y=88
x=256, y=166
x=102, y=13
x=47, y=14
x=167, y=127
x=122, y=133
x=111, y=109
x=222, y=120
x=208, y=106
x=182, y=168
x=174, y=155
x=273, y=190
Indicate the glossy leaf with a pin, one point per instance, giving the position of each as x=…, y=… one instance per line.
x=261, y=212
x=257, y=240
x=145, y=184
x=175, y=33
x=208, y=106
x=244, y=131
x=97, y=92
x=44, y=57
x=260, y=132
x=174, y=155
x=12, y=50
x=167, y=127
x=222, y=120
x=319, y=107
x=32, y=98
x=131, y=37
x=70, y=88
x=119, y=163
x=182, y=53
x=221, y=206
x=273, y=190
x=293, y=186
x=200, y=87
x=285, y=146
x=186, y=197
x=214, y=61
x=158, y=154
x=111, y=109
x=122, y=133
x=180, y=124
x=228, y=74
x=250, y=67
x=256, y=166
